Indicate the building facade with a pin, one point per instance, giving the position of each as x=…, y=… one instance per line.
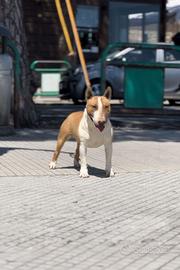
x=99, y=22
x=103, y=22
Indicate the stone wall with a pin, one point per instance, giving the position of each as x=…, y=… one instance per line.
x=11, y=16
x=44, y=33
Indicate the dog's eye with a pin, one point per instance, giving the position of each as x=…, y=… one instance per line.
x=106, y=107
x=94, y=107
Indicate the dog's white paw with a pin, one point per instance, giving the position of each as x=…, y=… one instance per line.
x=110, y=173
x=52, y=165
x=84, y=173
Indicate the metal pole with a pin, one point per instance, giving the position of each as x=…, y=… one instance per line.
x=78, y=43
x=162, y=28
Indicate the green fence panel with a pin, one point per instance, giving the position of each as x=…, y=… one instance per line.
x=144, y=88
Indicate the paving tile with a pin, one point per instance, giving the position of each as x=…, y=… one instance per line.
x=56, y=220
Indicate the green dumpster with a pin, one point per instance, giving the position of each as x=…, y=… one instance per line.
x=143, y=88
x=143, y=80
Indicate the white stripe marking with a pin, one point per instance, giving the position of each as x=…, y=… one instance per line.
x=98, y=113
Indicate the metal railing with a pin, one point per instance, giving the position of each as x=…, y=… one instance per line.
x=50, y=66
x=34, y=66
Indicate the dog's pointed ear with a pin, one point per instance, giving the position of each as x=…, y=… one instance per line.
x=108, y=92
x=89, y=93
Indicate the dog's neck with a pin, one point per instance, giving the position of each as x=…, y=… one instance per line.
x=89, y=116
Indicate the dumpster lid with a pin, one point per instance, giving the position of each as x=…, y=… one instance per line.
x=4, y=32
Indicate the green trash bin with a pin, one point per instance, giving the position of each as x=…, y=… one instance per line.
x=143, y=79
x=143, y=87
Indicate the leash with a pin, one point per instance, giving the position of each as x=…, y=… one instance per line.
x=64, y=27
x=78, y=42
x=76, y=37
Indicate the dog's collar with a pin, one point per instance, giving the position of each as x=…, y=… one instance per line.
x=90, y=116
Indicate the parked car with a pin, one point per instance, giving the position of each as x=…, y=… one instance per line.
x=74, y=83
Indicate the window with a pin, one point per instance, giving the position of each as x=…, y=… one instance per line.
x=132, y=55
x=172, y=55
x=133, y=22
x=141, y=55
x=87, y=16
x=87, y=19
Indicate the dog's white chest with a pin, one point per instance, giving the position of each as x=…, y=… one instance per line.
x=96, y=138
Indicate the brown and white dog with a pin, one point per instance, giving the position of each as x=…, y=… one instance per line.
x=90, y=128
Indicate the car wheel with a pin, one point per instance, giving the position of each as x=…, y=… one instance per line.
x=96, y=87
x=172, y=102
x=76, y=101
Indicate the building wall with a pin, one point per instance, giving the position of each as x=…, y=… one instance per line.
x=103, y=26
x=44, y=34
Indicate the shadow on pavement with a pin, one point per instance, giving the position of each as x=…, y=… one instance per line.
x=93, y=171
x=32, y=135
x=5, y=150
x=120, y=134
x=146, y=135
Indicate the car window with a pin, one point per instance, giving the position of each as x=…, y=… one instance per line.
x=171, y=55
x=140, y=55
x=118, y=54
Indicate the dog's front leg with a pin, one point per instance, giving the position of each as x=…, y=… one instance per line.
x=83, y=161
x=108, y=153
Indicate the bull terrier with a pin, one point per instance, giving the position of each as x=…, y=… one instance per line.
x=91, y=128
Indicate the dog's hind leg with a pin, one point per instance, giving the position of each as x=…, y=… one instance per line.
x=59, y=145
x=62, y=137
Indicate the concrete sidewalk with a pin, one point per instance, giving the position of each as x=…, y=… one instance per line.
x=55, y=220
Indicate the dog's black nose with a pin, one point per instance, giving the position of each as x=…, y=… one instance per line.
x=100, y=125
x=101, y=122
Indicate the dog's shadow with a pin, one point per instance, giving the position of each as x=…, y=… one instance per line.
x=93, y=171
